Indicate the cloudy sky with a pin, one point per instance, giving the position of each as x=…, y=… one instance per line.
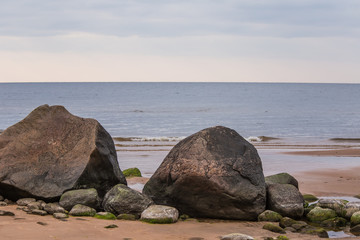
x=188, y=40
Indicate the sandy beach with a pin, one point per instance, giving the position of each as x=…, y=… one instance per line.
x=320, y=182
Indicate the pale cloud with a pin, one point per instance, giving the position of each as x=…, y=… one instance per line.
x=203, y=40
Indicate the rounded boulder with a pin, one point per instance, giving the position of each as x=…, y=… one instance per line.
x=213, y=173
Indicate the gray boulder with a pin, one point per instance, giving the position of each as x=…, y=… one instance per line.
x=269, y=216
x=88, y=197
x=52, y=151
x=82, y=210
x=282, y=178
x=160, y=214
x=52, y=208
x=351, y=208
x=122, y=199
x=338, y=205
x=213, y=173
x=286, y=200
x=34, y=205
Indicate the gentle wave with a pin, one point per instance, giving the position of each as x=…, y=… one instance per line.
x=260, y=139
x=177, y=139
x=148, y=139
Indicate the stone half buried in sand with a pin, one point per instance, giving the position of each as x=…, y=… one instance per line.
x=214, y=173
x=52, y=151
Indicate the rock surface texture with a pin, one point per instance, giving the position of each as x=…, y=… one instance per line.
x=122, y=199
x=286, y=200
x=213, y=173
x=52, y=151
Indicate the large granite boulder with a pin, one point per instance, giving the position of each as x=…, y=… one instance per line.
x=214, y=173
x=286, y=200
x=52, y=151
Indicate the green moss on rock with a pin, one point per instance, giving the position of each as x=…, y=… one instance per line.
x=318, y=214
x=126, y=216
x=320, y=232
x=309, y=198
x=269, y=216
x=105, y=215
x=287, y=222
x=132, y=172
x=334, y=223
x=158, y=220
x=281, y=237
x=355, y=219
x=273, y=228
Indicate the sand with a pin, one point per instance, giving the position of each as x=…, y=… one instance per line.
x=26, y=227
x=325, y=182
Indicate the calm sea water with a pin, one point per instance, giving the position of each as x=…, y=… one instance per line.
x=169, y=111
x=180, y=109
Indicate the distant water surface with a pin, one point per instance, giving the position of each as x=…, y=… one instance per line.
x=147, y=119
x=180, y=109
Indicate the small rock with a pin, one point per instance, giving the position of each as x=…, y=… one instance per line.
x=273, y=228
x=88, y=197
x=334, y=223
x=236, y=236
x=290, y=229
x=309, y=198
x=299, y=225
x=111, y=226
x=282, y=178
x=60, y=215
x=9, y=202
x=82, y=210
x=355, y=219
x=122, y=199
x=126, y=216
x=6, y=213
x=2, y=198
x=38, y=212
x=338, y=205
x=23, y=208
x=355, y=230
x=320, y=232
x=287, y=222
x=269, y=216
x=42, y=223
x=34, y=206
x=160, y=214
x=132, y=172
x=3, y=204
x=25, y=201
x=105, y=215
x=42, y=204
x=351, y=208
x=52, y=208
x=318, y=214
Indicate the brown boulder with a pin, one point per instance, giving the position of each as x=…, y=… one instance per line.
x=52, y=151
x=213, y=173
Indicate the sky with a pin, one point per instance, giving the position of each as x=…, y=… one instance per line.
x=187, y=40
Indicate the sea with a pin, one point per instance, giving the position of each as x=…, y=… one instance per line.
x=147, y=119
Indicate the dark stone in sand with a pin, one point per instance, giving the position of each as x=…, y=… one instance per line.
x=88, y=197
x=286, y=200
x=282, y=178
x=6, y=213
x=52, y=151
x=213, y=173
x=355, y=230
x=122, y=199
